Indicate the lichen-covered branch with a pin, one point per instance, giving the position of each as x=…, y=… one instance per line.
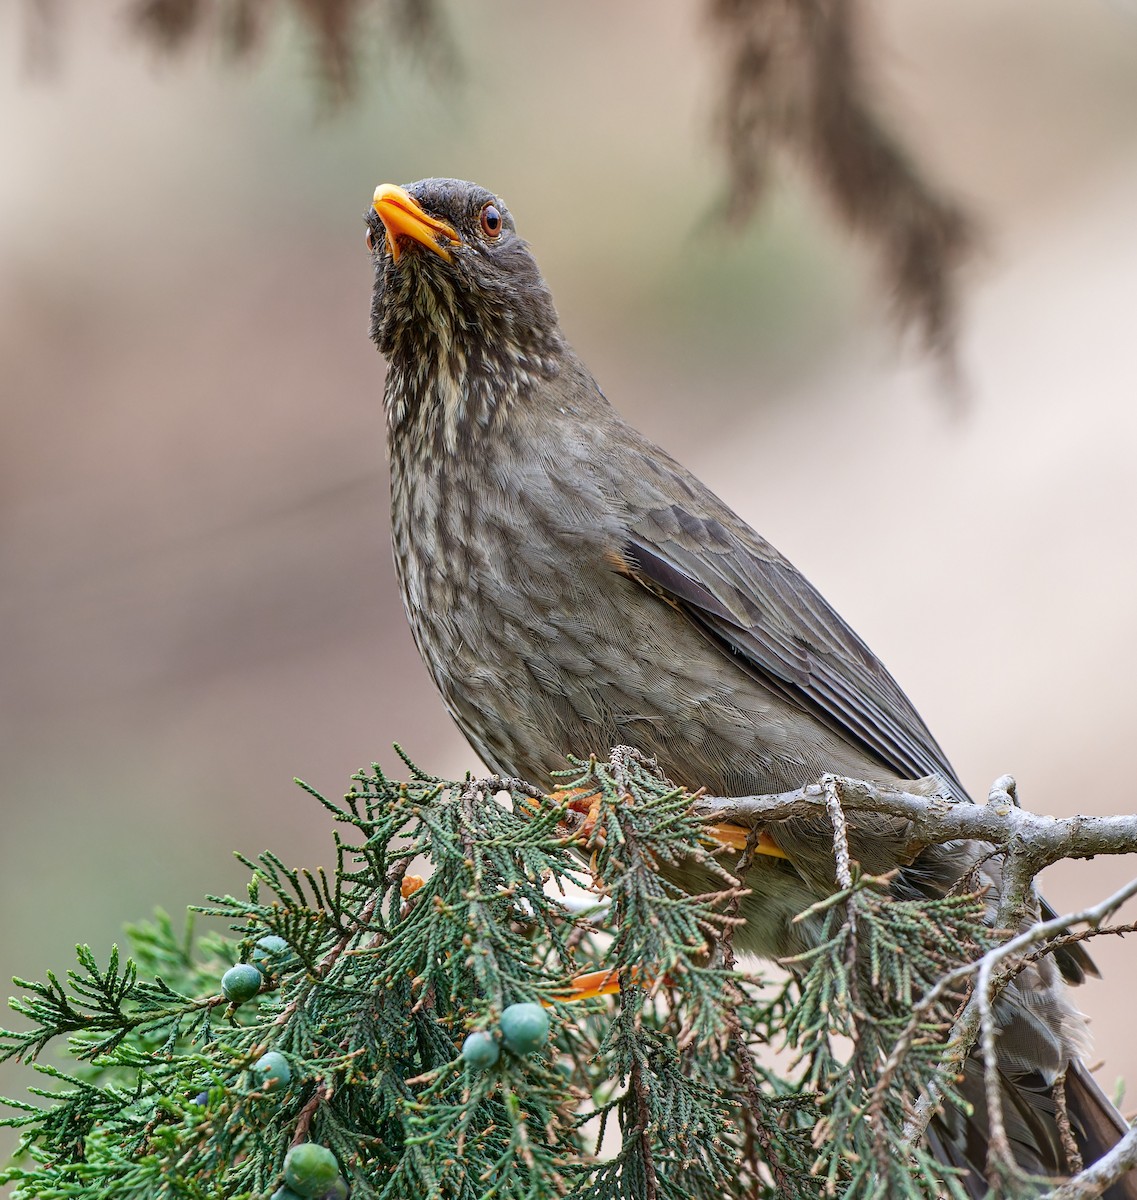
x=1039, y=840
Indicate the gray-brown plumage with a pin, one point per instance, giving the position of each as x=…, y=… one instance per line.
x=571, y=587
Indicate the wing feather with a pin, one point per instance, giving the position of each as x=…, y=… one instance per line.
x=772, y=623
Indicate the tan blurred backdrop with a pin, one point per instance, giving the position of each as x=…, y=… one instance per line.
x=196, y=596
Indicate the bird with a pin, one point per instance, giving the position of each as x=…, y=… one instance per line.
x=571, y=587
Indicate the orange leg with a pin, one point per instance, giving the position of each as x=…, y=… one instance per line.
x=568, y=795
x=593, y=984
x=596, y=983
x=580, y=800
x=733, y=837
x=729, y=836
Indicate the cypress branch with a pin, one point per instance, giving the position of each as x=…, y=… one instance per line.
x=451, y=902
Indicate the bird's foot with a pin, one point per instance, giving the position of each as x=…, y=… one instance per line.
x=593, y=984
x=735, y=837
x=586, y=802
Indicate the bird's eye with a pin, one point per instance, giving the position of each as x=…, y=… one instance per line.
x=490, y=220
x=370, y=239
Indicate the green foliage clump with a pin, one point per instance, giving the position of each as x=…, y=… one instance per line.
x=695, y=1080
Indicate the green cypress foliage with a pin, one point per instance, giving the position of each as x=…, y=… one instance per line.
x=697, y=1080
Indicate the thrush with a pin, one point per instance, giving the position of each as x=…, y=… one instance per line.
x=571, y=587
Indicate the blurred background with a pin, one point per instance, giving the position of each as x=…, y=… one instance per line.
x=196, y=596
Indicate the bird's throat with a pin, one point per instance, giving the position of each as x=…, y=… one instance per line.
x=448, y=400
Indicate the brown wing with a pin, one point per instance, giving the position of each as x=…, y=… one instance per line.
x=773, y=624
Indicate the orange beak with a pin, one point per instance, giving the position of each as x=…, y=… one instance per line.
x=403, y=217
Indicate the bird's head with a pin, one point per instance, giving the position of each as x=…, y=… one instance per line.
x=459, y=309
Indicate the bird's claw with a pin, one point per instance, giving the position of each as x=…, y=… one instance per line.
x=736, y=837
x=593, y=984
x=582, y=801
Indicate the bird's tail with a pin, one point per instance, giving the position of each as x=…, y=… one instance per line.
x=1097, y=1125
x=1030, y=1118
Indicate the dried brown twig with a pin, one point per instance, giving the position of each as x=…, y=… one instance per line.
x=336, y=28
x=791, y=81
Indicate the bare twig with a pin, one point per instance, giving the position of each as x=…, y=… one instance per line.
x=999, y=1157
x=1108, y=1169
x=1074, y=1163
x=831, y=785
x=1070, y=939
x=842, y=863
x=643, y=1107
x=304, y=1120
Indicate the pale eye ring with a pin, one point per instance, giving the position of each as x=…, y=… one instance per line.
x=490, y=220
